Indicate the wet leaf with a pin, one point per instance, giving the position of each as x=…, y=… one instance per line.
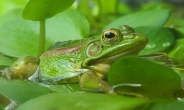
x=78, y=101
x=133, y=75
x=159, y=39
x=39, y=10
x=143, y=18
x=21, y=91
x=178, y=50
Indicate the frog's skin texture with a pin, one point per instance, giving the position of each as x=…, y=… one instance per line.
x=87, y=61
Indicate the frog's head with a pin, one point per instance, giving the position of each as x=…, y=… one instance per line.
x=114, y=44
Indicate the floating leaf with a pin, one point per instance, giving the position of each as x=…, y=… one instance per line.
x=166, y=105
x=159, y=39
x=21, y=91
x=78, y=101
x=108, y=7
x=178, y=50
x=144, y=18
x=19, y=37
x=133, y=75
x=4, y=101
x=68, y=25
x=178, y=32
x=156, y=5
x=13, y=14
x=39, y=10
x=7, y=5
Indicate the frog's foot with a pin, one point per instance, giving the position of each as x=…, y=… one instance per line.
x=6, y=72
x=92, y=82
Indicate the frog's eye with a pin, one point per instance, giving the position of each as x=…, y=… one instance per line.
x=110, y=37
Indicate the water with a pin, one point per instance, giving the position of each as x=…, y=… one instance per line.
x=166, y=44
x=150, y=46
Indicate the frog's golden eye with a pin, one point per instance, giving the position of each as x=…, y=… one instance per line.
x=110, y=37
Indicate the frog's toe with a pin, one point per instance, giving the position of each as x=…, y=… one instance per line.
x=91, y=82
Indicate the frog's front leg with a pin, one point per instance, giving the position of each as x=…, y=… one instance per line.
x=90, y=81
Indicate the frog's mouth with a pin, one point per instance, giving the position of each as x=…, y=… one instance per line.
x=116, y=54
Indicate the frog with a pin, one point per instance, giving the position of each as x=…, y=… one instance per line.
x=84, y=61
x=87, y=61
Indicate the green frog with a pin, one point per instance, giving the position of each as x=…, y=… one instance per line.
x=88, y=60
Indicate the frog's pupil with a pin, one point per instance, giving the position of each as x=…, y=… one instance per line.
x=109, y=35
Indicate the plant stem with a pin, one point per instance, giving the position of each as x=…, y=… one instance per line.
x=42, y=38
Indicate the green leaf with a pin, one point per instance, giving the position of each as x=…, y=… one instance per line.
x=143, y=18
x=179, y=32
x=7, y=5
x=22, y=36
x=69, y=25
x=156, y=6
x=78, y=101
x=39, y=10
x=4, y=101
x=143, y=77
x=178, y=50
x=13, y=14
x=21, y=91
x=159, y=39
x=166, y=105
x=108, y=7
x=5, y=61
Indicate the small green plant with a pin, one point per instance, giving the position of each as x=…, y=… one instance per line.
x=40, y=11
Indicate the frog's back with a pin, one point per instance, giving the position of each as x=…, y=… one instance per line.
x=60, y=67
x=69, y=43
x=62, y=60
